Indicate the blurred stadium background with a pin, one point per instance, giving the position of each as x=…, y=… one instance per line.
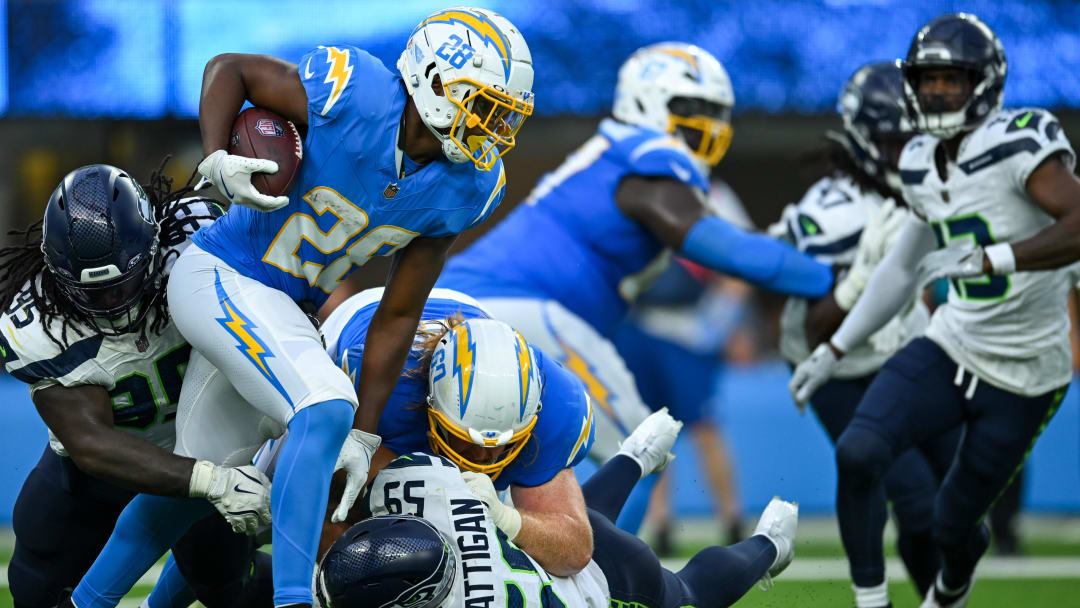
x=117, y=81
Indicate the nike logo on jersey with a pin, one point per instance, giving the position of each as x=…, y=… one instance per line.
x=682, y=173
x=307, y=69
x=224, y=187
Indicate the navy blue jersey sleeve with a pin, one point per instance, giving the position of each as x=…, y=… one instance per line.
x=665, y=157
x=334, y=77
x=562, y=436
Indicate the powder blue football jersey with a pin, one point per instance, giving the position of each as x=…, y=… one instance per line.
x=569, y=241
x=564, y=430
x=349, y=203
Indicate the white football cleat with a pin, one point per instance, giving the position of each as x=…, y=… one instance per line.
x=938, y=599
x=778, y=522
x=650, y=443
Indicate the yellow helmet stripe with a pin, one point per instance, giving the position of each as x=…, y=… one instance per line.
x=483, y=28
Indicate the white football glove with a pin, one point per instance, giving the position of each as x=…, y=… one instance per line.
x=811, y=374
x=232, y=176
x=950, y=263
x=355, y=458
x=506, y=518
x=240, y=494
x=878, y=236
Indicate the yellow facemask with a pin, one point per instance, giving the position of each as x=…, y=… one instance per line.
x=715, y=135
x=438, y=424
x=486, y=132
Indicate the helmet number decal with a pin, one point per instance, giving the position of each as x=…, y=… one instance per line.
x=455, y=51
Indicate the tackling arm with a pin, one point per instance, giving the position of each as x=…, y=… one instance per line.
x=676, y=214
x=555, y=527
x=81, y=418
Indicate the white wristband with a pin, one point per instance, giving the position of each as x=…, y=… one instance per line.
x=201, y=476
x=1001, y=258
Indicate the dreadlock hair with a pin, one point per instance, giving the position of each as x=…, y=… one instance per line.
x=831, y=158
x=25, y=278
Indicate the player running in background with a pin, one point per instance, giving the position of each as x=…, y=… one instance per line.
x=858, y=198
x=457, y=556
x=88, y=328
x=994, y=190
x=397, y=163
x=596, y=231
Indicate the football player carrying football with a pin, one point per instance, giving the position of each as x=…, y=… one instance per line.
x=88, y=328
x=851, y=217
x=994, y=191
x=440, y=547
x=596, y=231
x=397, y=163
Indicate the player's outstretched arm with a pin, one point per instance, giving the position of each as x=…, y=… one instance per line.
x=81, y=418
x=1055, y=189
x=676, y=214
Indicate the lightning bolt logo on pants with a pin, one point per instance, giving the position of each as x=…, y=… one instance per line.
x=239, y=325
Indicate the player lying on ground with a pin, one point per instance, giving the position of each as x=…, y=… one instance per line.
x=860, y=196
x=428, y=136
x=457, y=555
x=87, y=327
x=595, y=232
x=994, y=191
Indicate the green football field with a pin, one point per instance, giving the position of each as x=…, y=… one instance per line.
x=1048, y=575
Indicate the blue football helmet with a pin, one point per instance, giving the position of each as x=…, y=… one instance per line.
x=876, y=124
x=959, y=41
x=100, y=243
x=389, y=561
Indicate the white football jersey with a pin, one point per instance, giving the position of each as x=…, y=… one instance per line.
x=827, y=225
x=491, y=571
x=143, y=376
x=1011, y=331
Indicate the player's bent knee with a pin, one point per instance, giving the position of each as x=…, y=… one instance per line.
x=862, y=452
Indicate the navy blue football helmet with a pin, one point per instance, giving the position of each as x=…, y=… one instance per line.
x=876, y=124
x=390, y=561
x=960, y=41
x=100, y=243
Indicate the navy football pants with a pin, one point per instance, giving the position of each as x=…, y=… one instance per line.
x=917, y=396
x=715, y=577
x=62, y=519
x=910, y=483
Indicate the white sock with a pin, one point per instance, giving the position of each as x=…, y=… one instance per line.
x=872, y=597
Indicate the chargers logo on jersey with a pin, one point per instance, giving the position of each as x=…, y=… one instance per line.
x=237, y=324
x=464, y=360
x=524, y=370
x=482, y=27
x=337, y=76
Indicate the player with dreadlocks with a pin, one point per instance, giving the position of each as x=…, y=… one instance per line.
x=86, y=325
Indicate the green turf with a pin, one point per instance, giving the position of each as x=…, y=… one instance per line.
x=987, y=594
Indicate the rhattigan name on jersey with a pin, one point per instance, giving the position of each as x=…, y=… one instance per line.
x=569, y=241
x=827, y=224
x=492, y=571
x=142, y=375
x=1010, y=330
x=561, y=438
x=350, y=203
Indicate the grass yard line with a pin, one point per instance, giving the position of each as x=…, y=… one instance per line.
x=989, y=568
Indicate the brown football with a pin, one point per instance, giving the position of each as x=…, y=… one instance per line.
x=260, y=133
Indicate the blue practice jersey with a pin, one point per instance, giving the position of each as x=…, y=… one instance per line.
x=569, y=241
x=563, y=433
x=349, y=203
